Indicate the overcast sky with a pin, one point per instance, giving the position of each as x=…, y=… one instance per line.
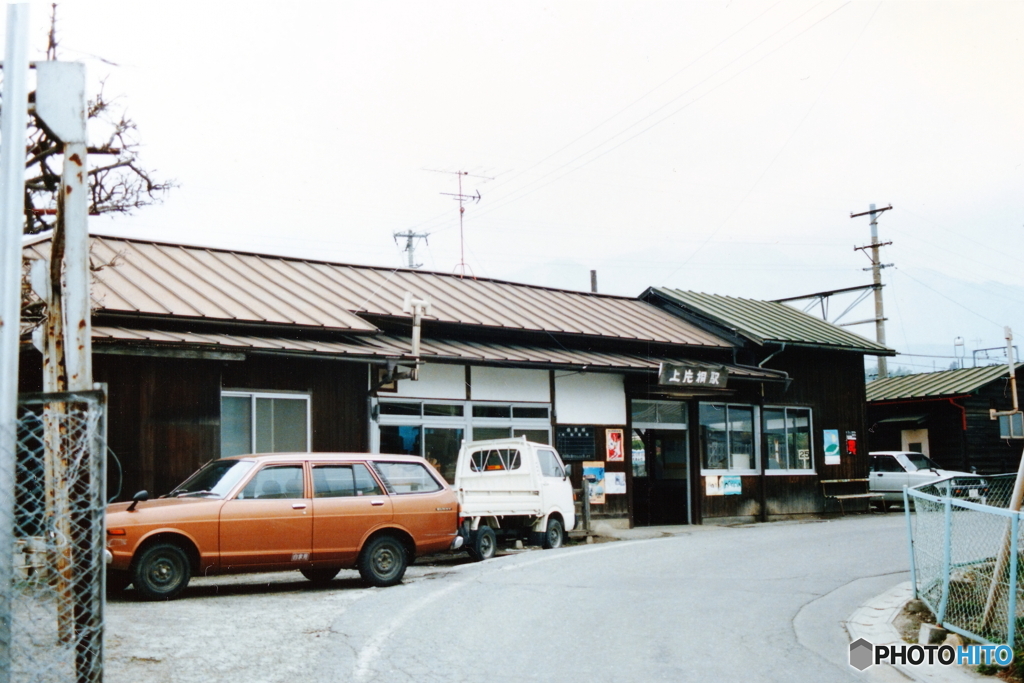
x=710, y=146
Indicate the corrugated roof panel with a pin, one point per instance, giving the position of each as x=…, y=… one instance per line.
x=770, y=321
x=152, y=278
x=395, y=346
x=935, y=384
x=173, y=280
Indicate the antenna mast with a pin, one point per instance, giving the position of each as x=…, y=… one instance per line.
x=462, y=199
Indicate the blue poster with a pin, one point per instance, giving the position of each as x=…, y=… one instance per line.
x=831, y=437
x=731, y=485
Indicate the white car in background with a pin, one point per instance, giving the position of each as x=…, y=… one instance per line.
x=890, y=471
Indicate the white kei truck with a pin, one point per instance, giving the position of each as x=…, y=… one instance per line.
x=515, y=488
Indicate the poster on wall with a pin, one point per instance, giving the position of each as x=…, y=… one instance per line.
x=712, y=485
x=831, y=438
x=594, y=471
x=732, y=485
x=613, y=445
x=724, y=485
x=614, y=482
x=851, y=443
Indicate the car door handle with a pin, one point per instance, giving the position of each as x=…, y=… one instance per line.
x=376, y=503
x=298, y=506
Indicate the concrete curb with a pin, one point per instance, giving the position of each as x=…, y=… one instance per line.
x=873, y=621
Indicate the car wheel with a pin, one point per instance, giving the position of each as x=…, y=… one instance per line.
x=320, y=574
x=555, y=534
x=383, y=561
x=117, y=581
x=483, y=544
x=161, y=572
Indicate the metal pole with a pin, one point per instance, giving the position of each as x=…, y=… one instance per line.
x=1009, y=360
x=1011, y=608
x=910, y=541
x=947, y=552
x=876, y=278
x=13, y=124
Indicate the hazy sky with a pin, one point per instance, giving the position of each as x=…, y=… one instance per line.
x=712, y=146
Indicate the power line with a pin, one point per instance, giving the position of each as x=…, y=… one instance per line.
x=511, y=198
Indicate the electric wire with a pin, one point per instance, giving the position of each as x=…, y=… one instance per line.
x=526, y=192
x=785, y=144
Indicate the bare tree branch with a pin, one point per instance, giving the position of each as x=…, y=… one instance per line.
x=120, y=184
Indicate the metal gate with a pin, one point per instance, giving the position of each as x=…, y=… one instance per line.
x=56, y=589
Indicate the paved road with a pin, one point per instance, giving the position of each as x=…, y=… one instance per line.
x=752, y=603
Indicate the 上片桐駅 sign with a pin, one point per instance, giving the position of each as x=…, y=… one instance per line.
x=692, y=375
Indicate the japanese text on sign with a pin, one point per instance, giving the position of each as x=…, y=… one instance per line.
x=692, y=374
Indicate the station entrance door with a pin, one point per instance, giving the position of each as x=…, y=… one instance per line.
x=661, y=463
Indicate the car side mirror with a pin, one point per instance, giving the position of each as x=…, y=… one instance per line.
x=138, y=498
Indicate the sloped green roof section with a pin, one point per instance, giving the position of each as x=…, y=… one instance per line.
x=769, y=321
x=934, y=384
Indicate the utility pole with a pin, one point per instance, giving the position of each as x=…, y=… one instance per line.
x=876, y=278
x=410, y=244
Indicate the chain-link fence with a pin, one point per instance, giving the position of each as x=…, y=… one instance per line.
x=965, y=556
x=55, y=595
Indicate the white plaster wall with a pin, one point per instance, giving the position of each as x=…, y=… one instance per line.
x=590, y=398
x=510, y=384
x=436, y=381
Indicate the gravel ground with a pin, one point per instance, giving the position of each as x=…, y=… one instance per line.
x=248, y=627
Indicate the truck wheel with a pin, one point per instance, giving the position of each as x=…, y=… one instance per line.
x=555, y=534
x=483, y=544
x=161, y=572
x=383, y=561
x=320, y=575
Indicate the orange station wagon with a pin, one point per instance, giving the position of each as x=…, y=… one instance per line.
x=314, y=512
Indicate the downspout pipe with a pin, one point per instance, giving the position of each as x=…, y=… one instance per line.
x=781, y=349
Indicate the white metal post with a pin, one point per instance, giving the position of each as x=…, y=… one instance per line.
x=60, y=103
x=13, y=124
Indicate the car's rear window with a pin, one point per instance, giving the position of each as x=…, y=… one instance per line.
x=337, y=481
x=495, y=460
x=406, y=477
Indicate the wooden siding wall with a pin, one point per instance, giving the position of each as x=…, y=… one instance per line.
x=831, y=384
x=949, y=445
x=338, y=395
x=164, y=413
x=616, y=505
x=942, y=419
x=163, y=420
x=984, y=448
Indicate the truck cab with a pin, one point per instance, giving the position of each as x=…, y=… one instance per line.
x=513, y=488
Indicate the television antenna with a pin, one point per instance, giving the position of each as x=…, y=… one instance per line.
x=462, y=198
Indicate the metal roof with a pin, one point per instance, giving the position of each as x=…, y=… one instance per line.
x=769, y=321
x=150, y=278
x=389, y=346
x=174, y=281
x=935, y=384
